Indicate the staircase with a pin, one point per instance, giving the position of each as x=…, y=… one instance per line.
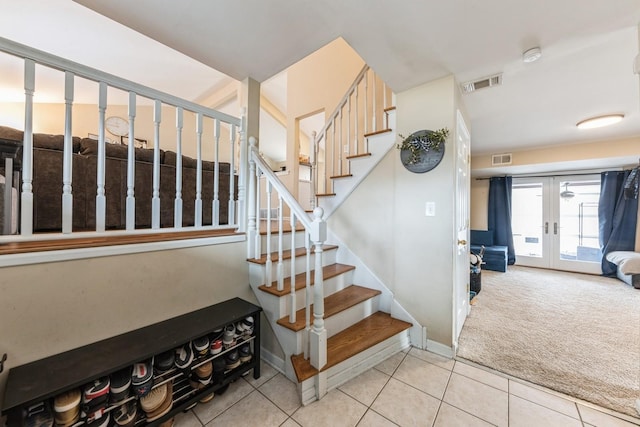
x=330, y=314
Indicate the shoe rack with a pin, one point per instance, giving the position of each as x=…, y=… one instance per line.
x=42, y=380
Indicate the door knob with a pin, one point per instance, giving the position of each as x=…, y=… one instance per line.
x=462, y=242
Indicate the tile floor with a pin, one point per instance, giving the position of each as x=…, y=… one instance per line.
x=413, y=388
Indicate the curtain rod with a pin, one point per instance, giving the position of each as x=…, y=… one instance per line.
x=542, y=176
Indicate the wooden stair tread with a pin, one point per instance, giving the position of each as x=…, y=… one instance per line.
x=378, y=132
x=328, y=272
x=325, y=194
x=286, y=226
x=333, y=304
x=353, y=340
x=358, y=156
x=341, y=176
x=287, y=254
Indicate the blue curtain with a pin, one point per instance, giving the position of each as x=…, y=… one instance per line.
x=499, y=215
x=617, y=216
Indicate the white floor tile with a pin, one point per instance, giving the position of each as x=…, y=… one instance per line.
x=406, y=406
x=423, y=376
x=289, y=423
x=252, y=410
x=449, y=416
x=282, y=392
x=391, y=364
x=523, y=413
x=373, y=419
x=481, y=375
x=266, y=373
x=366, y=386
x=600, y=419
x=478, y=399
x=540, y=397
x=236, y=391
x=335, y=409
x=186, y=419
x=430, y=357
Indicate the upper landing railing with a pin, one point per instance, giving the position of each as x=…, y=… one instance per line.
x=216, y=130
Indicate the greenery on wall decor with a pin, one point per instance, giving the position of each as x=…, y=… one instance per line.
x=423, y=141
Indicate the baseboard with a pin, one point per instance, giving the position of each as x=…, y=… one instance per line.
x=441, y=349
x=276, y=362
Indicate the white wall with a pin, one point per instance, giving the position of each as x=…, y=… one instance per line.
x=49, y=308
x=383, y=220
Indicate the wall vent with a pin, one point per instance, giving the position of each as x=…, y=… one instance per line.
x=501, y=159
x=482, y=83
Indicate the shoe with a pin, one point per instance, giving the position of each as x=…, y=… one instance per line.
x=165, y=406
x=216, y=346
x=245, y=353
x=164, y=361
x=201, y=346
x=229, y=337
x=38, y=415
x=207, y=398
x=204, y=373
x=120, y=382
x=97, y=388
x=247, y=323
x=154, y=399
x=142, y=378
x=184, y=358
x=219, y=366
x=66, y=407
x=94, y=409
x=102, y=421
x=125, y=414
x=231, y=359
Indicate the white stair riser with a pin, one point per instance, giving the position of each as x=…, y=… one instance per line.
x=286, y=241
x=351, y=368
x=258, y=271
x=338, y=322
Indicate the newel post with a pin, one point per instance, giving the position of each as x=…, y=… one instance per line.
x=251, y=201
x=318, y=335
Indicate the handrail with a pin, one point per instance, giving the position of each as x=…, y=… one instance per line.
x=344, y=99
x=288, y=198
x=44, y=58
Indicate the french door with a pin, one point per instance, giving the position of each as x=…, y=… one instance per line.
x=555, y=222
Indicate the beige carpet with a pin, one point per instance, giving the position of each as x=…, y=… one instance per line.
x=574, y=333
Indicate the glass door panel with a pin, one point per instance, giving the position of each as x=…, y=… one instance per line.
x=528, y=221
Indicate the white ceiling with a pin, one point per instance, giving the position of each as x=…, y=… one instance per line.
x=588, y=50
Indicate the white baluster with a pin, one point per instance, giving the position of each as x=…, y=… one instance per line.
x=26, y=199
x=101, y=199
x=155, y=200
x=308, y=295
x=347, y=150
x=356, y=120
x=198, y=207
x=268, y=265
x=314, y=169
x=333, y=157
x=280, y=269
x=215, y=204
x=131, y=165
x=252, y=207
x=242, y=178
x=231, y=211
x=366, y=102
x=258, y=240
x=292, y=273
x=318, y=336
x=67, y=171
x=340, y=144
x=177, y=214
x=374, y=105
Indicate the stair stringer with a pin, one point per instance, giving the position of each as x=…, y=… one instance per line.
x=363, y=275
x=379, y=145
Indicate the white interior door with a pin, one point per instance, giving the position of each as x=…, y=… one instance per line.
x=461, y=264
x=555, y=222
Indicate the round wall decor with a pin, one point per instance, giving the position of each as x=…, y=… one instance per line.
x=423, y=155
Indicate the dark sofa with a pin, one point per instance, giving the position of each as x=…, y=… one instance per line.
x=47, y=184
x=495, y=256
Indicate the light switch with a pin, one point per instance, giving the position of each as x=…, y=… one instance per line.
x=430, y=209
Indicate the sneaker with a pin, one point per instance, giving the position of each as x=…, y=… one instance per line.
x=201, y=346
x=204, y=372
x=156, y=397
x=67, y=407
x=165, y=405
x=38, y=415
x=207, y=398
x=94, y=409
x=142, y=378
x=119, y=385
x=184, y=358
x=164, y=361
x=100, y=422
x=216, y=346
x=219, y=366
x=231, y=359
x=247, y=323
x=245, y=353
x=97, y=388
x=124, y=414
x=229, y=337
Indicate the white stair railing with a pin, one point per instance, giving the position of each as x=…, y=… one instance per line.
x=315, y=232
x=360, y=113
x=225, y=128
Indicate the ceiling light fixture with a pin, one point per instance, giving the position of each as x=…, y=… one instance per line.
x=531, y=55
x=600, y=121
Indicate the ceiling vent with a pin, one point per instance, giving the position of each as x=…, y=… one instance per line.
x=501, y=159
x=490, y=81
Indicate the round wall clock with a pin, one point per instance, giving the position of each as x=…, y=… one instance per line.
x=427, y=157
x=117, y=126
